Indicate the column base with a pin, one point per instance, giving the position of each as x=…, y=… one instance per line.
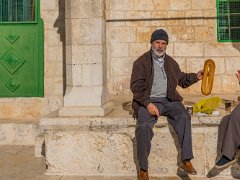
x=89, y=111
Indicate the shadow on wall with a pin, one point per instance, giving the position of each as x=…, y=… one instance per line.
x=60, y=24
x=236, y=45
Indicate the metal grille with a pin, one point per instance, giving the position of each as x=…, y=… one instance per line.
x=229, y=20
x=17, y=10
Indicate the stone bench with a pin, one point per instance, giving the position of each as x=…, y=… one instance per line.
x=106, y=147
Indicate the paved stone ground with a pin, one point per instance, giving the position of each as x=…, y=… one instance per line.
x=19, y=163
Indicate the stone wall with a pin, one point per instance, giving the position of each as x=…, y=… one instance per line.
x=191, y=25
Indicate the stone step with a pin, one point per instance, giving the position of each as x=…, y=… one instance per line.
x=18, y=131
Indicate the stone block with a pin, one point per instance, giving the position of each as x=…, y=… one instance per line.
x=119, y=50
x=53, y=86
x=196, y=17
x=82, y=54
x=87, y=9
x=181, y=33
x=86, y=74
x=194, y=64
x=231, y=63
x=217, y=84
x=97, y=75
x=220, y=65
x=230, y=85
x=111, y=15
x=54, y=54
x=53, y=69
x=188, y=49
x=49, y=16
x=119, y=84
x=159, y=17
x=49, y=5
x=137, y=49
x=85, y=96
x=119, y=5
x=144, y=34
x=17, y=134
x=220, y=49
x=182, y=63
x=20, y=109
x=122, y=34
x=205, y=34
x=180, y=5
x=77, y=75
x=176, y=18
x=51, y=104
x=142, y=5
x=107, y=147
x=161, y=5
x=52, y=38
x=118, y=66
x=137, y=14
x=169, y=50
x=87, y=31
x=207, y=4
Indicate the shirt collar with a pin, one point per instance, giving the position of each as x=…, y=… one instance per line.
x=161, y=60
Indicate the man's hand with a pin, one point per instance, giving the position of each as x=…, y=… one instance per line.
x=200, y=74
x=153, y=110
x=238, y=75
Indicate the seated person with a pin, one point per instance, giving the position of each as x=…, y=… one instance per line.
x=229, y=136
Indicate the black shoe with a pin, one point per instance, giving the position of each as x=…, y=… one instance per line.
x=224, y=162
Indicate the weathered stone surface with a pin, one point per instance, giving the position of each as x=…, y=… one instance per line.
x=17, y=134
x=107, y=146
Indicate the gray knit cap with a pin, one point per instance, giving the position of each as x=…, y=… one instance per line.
x=159, y=34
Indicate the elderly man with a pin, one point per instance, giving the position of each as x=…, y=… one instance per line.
x=155, y=76
x=229, y=136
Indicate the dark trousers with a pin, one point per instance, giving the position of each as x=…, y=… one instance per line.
x=229, y=133
x=176, y=115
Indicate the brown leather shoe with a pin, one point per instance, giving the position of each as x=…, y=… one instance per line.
x=143, y=175
x=187, y=167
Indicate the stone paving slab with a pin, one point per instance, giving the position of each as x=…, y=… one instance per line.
x=18, y=163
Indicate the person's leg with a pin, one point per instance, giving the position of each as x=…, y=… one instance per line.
x=231, y=139
x=222, y=128
x=180, y=120
x=144, y=135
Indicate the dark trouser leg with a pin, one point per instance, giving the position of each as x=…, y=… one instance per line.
x=180, y=119
x=231, y=140
x=144, y=135
x=222, y=128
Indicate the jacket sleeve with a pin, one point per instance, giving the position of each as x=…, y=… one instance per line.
x=186, y=79
x=138, y=84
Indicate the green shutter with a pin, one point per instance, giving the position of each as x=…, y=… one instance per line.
x=228, y=21
x=17, y=11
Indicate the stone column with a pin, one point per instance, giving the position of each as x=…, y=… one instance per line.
x=86, y=91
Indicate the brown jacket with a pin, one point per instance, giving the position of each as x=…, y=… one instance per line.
x=142, y=79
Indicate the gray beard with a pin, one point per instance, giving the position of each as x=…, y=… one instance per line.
x=158, y=54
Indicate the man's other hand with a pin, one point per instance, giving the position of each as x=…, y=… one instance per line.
x=153, y=110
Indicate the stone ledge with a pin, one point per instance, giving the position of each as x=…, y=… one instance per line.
x=106, y=147
x=120, y=122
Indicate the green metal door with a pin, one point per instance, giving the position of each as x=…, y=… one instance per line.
x=21, y=49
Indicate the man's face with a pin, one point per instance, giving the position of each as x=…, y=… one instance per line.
x=159, y=47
